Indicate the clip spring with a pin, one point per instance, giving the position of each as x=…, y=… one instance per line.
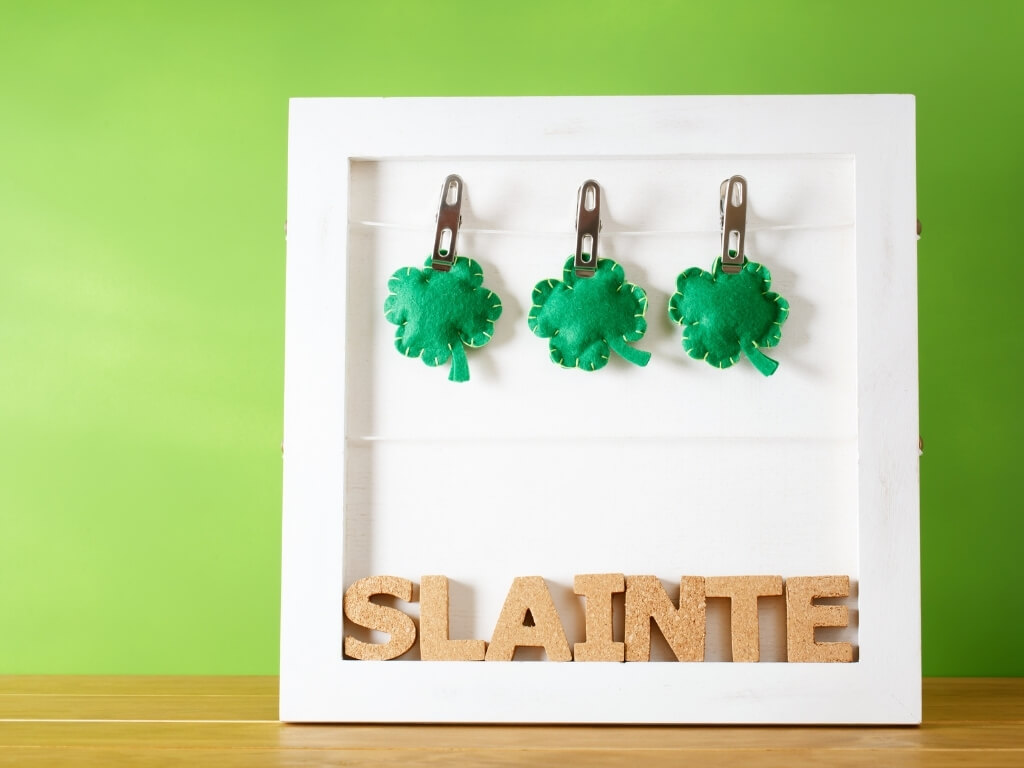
x=733, y=212
x=588, y=225
x=449, y=218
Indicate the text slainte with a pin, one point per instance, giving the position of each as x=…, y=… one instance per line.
x=646, y=601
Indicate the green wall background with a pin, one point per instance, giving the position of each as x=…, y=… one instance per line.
x=142, y=200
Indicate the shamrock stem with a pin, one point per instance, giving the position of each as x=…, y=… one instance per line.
x=460, y=365
x=632, y=354
x=760, y=360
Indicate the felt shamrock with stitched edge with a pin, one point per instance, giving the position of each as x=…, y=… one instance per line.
x=724, y=314
x=586, y=317
x=438, y=312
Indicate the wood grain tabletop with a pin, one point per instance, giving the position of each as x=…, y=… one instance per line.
x=232, y=721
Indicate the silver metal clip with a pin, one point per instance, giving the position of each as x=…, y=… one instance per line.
x=449, y=217
x=588, y=225
x=733, y=210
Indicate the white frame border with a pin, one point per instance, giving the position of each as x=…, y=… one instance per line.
x=884, y=686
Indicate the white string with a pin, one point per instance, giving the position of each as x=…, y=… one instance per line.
x=604, y=233
x=561, y=438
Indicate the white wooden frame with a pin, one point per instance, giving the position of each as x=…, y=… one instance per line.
x=867, y=141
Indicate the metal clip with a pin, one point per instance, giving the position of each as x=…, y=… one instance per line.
x=588, y=224
x=733, y=211
x=449, y=217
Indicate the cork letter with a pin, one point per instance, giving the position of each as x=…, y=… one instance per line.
x=435, y=644
x=743, y=592
x=361, y=611
x=802, y=616
x=683, y=627
x=528, y=595
x=598, y=589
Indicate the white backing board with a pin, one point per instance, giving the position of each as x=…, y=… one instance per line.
x=672, y=469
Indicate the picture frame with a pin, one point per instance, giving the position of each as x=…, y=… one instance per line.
x=673, y=469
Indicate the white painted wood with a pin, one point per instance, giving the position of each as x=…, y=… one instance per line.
x=390, y=468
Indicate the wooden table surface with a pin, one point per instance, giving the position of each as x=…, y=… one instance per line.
x=231, y=721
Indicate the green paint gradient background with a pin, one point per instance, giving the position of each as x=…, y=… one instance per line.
x=142, y=202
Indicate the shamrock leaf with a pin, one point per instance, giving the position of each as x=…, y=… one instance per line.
x=724, y=314
x=587, y=317
x=437, y=312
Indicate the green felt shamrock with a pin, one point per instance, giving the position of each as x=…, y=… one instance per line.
x=724, y=314
x=586, y=317
x=437, y=312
